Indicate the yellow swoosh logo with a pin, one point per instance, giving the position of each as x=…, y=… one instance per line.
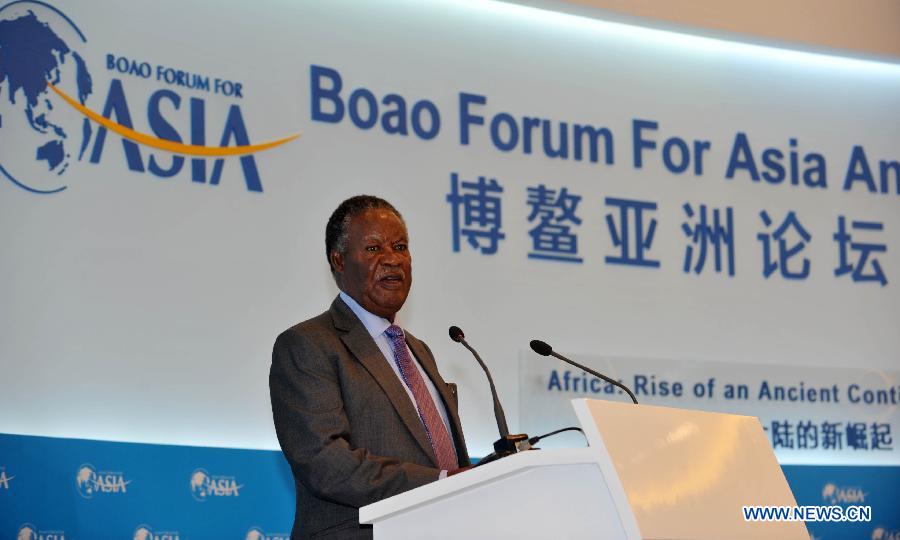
x=170, y=146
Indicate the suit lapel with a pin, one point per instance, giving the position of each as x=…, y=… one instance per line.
x=357, y=339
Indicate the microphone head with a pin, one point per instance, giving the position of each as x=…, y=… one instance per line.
x=456, y=334
x=540, y=347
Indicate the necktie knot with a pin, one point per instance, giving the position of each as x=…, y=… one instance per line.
x=394, y=332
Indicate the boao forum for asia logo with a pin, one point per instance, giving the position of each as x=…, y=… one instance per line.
x=204, y=485
x=89, y=481
x=255, y=533
x=28, y=531
x=836, y=494
x=145, y=532
x=50, y=93
x=882, y=533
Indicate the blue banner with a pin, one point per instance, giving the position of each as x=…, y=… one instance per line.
x=58, y=489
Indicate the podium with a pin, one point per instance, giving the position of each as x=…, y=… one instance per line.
x=648, y=472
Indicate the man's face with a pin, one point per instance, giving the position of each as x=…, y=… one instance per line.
x=376, y=271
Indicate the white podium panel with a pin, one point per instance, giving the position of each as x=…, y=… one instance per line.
x=533, y=495
x=687, y=474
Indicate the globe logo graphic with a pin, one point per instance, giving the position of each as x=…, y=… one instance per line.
x=86, y=481
x=27, y=532
x=40, y=135
x=199, y=481
x=143, y=532
x=255, y=533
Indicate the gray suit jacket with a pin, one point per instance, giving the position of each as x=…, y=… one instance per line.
x=345, y=423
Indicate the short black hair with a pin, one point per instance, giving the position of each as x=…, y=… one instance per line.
x=337, y=229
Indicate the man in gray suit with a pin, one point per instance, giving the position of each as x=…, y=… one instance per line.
x=360, y=409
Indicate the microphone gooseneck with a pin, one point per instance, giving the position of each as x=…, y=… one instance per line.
x=546, y=350
x=457, y=335
x=506, y=444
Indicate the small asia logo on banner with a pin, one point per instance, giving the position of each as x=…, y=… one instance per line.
x=256, y=533
x=89, y=481
x=205, y=485
x=836, y=494
x=144, y=532
x=881, y=533
x=27, y=531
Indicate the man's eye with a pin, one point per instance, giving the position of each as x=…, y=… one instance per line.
x=400, y=247
x=371, y=248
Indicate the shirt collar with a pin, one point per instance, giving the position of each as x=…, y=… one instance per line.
x=374, y=324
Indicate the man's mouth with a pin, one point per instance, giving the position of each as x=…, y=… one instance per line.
x=391, y=279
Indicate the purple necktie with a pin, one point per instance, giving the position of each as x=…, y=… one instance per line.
x=434, y=425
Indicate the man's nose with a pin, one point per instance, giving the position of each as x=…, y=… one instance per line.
x=391, y=257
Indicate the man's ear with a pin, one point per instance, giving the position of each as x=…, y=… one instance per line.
x=337, y=262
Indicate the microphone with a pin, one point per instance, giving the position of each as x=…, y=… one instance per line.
x=456, y=334
x=506, y=444
x=546, y=350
